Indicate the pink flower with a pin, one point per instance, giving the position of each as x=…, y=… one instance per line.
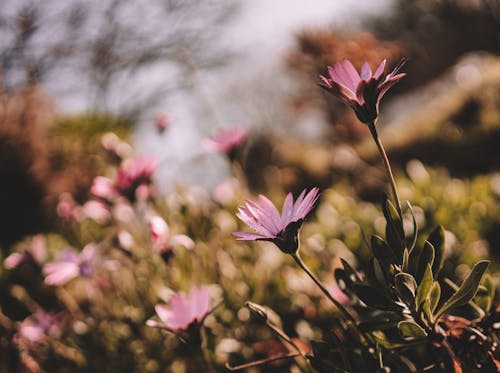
x=134, y=175
x=364, y=91
x=104, y=188
x=225, y=140
x=162, y=122
x=68, y=208
x=36, y=253
x=282, y=230
x=160, y=236
x=97, y=211
x=70, y=265
x=39, y=325
x=183, y=310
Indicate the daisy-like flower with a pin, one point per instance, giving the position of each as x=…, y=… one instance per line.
x=225, y=140
x=70, y=265
x=161, y=239
x=364, y=91
x=135, y=177
x=39, y=325
x=185, y=313
x=282, y=230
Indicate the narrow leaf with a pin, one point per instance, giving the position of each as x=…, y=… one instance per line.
x=406, y=287
x=426, y=258
x=375, y=297
x=415, y=228
x=434, y=296
x=424, y=287
x=467, y=290
x=437, y=239
x=409, y=329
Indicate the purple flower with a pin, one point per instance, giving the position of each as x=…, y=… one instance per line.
x=364, y=91
x=35, y=327
x=283, y=231
x=225, y=140
x=70, y=265
x=184, y=311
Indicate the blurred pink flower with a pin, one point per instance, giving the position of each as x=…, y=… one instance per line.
x=339, y=295
x=97, y=211
x=133, y=174
x=36, y=253
x=162, y=122
x=184, y=310
x=70, y=265
x=282, y=230
x=160, y=236
x=225, y=140
x=104, y=188
x=364, y=91
x=68, y=208
x=39, y=325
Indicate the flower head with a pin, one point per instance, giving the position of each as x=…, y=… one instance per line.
x=364, y=91
x=225, y=140
x=162, y=122
x=161, y=239
x=282, y=230
x=135, y=177
x=184, y=311
x=39, y=325
x=70, y=265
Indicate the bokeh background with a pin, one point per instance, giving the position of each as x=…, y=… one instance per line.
x=86, y=84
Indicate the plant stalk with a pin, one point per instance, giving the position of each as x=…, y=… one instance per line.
x=376, y=138
x=339, y=305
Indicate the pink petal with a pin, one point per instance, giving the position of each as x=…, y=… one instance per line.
x=60, y=273
x=247, y=217
x=380, y=69
x=271, y=212
x=352, y=73
x=248, y=236
x=164, y=313
x=366, y=71
x=182, y=239
x=14, y=260
x=287, y=210
x=200, y=301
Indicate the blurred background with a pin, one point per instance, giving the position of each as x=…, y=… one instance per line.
x=87, y=84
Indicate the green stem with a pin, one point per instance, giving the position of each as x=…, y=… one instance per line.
x=373, y=131
x=339, y=305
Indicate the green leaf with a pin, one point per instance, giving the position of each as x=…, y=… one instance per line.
x=406, y=287
x=434, y=296
x=375, y=297
x=394, y=232
x=437, y=239
x=406, y=259
x=351, y=272
x=414, y=259
x=411, y=330
x=415, y=228
x=485, y=293
x=424, y=287
x=382, y=251
x=467, y=290
x=426, y=258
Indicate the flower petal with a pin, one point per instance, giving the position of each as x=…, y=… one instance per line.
x=366, y=71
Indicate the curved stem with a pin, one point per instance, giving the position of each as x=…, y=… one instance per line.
x=373, y=131
x=339, y=305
